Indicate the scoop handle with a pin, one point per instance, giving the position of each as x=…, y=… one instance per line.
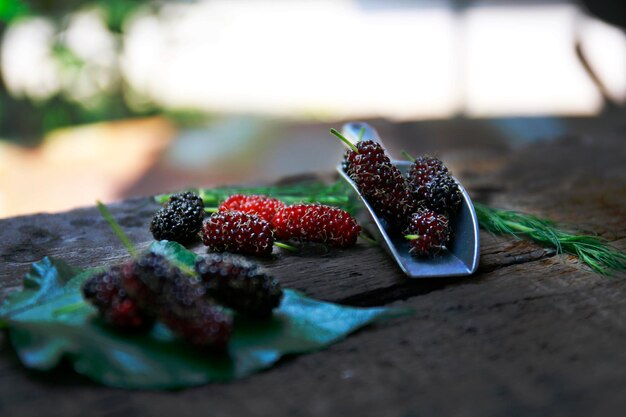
x=352, y=131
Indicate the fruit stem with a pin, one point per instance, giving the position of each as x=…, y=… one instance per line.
x=211, y=209
x=412, y=237
x=286, y=247
x=361, y=133
x=344, y=140
x=116, y=228
x=408, y=156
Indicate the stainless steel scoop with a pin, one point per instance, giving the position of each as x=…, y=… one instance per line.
x=461, y=255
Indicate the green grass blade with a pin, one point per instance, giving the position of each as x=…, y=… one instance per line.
x=116, y=228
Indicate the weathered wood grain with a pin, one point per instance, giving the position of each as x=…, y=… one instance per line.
x=532, y=333
x=84, y=239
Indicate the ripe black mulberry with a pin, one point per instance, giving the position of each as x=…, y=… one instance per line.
x=239, y=284
x=178, y=300
x=428, y=232
x=180, y=219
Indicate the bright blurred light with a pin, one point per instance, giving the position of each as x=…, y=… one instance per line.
x=28, y=67
x=332, y=59
x=522, y=61
x=88, y=37
x=315, y=58
x=605, y=48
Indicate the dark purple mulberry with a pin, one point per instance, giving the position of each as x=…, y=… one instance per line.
x=428, y=232
x=441, y=194
x=380, y=182
x=116, y=308
x=424, y=168
x=178, y=300
x=433, y=186
x=239, y=284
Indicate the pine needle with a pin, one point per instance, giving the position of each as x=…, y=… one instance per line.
x=593, y=251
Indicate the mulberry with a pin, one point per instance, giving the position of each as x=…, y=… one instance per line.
x=238, y=232
x=428, y=232
x=239, y=284
x=380, y=182
x=441, y=194
x=316, y=223
x=180, y=219
x=178, y=300
x=116, y=308
x=424, y=168
x=263, y=206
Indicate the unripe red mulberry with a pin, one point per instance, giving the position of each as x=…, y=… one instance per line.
x=237, y=232
x=316, y=223
x=263, y=206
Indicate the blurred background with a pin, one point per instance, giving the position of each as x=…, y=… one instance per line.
x=106, y=99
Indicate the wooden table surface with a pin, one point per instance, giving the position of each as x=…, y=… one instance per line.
x=532, y=333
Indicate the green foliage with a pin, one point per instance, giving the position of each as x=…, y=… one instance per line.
x=337, y=194
x=25, y=118
x=49, y=321
x=118, y=11
x=12, y=9
x=593, y=251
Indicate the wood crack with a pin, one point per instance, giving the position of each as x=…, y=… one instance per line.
x=420, y=287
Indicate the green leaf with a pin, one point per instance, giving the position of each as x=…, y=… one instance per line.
x=45, y=280
x=60, y=324
x=176, y=253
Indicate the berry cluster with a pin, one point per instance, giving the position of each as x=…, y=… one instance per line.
x=241, y=225
x=104, y=290
x=419, y=205
x=132, y=296
x=180, y=218
x=239, y=284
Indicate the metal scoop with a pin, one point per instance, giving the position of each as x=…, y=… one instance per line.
x=462, y=253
